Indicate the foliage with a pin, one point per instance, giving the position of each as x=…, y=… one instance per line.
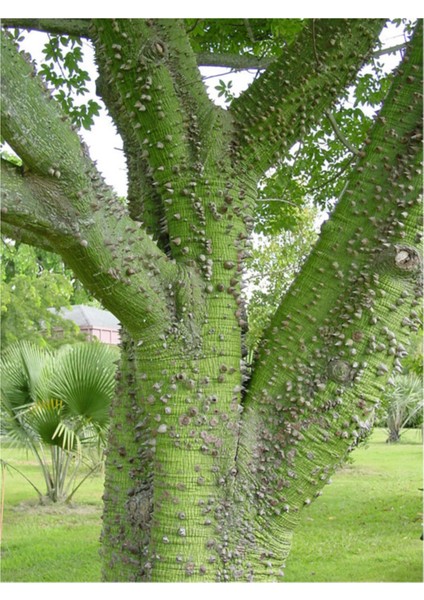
x=318, y=166
x=413, y=362
x=57, y=403
x=64, y=72
x=275, y=261
x=224, y=89
x=257, y=37
x=281, y=200
x=34, y=281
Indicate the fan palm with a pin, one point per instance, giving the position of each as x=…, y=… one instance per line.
x=57, y=404
x=405, y=402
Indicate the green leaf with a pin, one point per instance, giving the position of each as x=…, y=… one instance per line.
x=21, y=368
x=65, y=437
x=44, y=418
x=84, y=381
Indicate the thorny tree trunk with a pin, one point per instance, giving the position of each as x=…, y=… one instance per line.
x=208, y=469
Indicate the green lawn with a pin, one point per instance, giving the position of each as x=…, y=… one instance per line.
x=366, y=527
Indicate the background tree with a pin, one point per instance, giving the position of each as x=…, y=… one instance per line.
x=57, y=406
x=209, y=467
x=275, y=260
x=404, y=405
x=33, y=282
x=402, y=402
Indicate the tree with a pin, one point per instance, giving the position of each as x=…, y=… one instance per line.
x=403, y=405
x=275, y=260
x=209, y=466
x=57, y=404
x=33, y=282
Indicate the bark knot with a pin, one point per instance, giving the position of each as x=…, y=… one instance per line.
x=339, y=370
x=407, y=258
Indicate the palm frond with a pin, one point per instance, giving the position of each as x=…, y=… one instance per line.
x=13, y=423
x=44, y=418
x=70, y=441
x=84, y=382
x=21, y=367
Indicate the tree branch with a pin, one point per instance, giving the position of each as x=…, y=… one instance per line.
x=238, y=62
x=27, y=205
x=81, y=28
x=329, y=350
x=291, y=95
x=77, y=27
x=60, y=196
x=339, y=134
x=19, y=234
x=390, y=50
x=153, y=88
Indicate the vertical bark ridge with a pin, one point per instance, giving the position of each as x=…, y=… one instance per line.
x=128, y=494
x=144, y=203
x=144, y=78
x=184, y=414
x=200, y=112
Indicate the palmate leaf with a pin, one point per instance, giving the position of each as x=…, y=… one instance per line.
x=93, y=435
x=21, y=368
x=46, y=421
x=66, y=437
x=407, y=393
x=15, y=427
x=44, y=418
x=84, y=382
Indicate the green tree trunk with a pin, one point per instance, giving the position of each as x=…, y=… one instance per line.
x=209, y=465
x=168, y=468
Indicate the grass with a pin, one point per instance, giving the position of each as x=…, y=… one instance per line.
x=48, y=543
x=366, y=527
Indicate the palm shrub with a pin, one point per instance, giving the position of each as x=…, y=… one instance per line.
x=56, y=404
x=404, y=405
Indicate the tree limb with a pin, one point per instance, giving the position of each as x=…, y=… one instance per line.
x=26, y=237
x=390, y=50
x=168, y=129
x=238, y=62
x=60, y=196
x=330, y=348
x=81, y=28
x=77, y=27
x=339, y=134
x=284, y=102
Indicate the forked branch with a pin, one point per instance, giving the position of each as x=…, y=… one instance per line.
x=333, y=343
